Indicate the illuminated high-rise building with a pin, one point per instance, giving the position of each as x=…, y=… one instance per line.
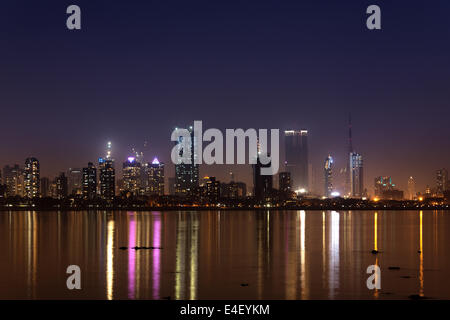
x=296, y=159
x=13, y=178
x=356, y=175
x=348, y=173
x=89, y=182
x=131, y=173
x=210, y=188
x=328, y=175
x=441, y=181
x=107, y=177
x=75, y=181
x=187, y=174
x=411, y=188
x=155, y=176
x=32, y=178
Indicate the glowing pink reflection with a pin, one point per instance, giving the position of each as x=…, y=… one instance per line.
x=156, y=254
x=131, y=256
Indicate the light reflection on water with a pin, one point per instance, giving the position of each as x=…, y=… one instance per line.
x=225, y=254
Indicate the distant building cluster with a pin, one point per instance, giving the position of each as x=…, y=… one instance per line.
x=145, y=181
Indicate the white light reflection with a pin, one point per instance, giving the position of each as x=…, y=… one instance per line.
x=333, y=270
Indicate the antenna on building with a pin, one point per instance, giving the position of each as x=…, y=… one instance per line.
x=349, y=151
x=350, y=142
x=108, y=150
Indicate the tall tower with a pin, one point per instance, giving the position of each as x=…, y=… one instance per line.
x=89, y=182
x=108, y=150
x=131, y=171
x=328, y=173
x=262, y=184
x=296, y=160
x=32, y=178
x=348, y=187
x=107, y=175
x=411, y=188
x=441, y=181
x=155, y=176
x=356, y=175
x=187, y=175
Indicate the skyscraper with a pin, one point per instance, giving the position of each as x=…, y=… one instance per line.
x=441, y=181
x=32, y=178
x=155, y=175
x=107, y=178
x=262, y=184
x=211, y=189
x=131, y=172
x=348, y=187
x=74, y=181
x=356, y=175
x=61, y=186
x=187, y=174
x=13, y=178
x=328, y=173
x=89, y=182
x=411, y=188
x=296, y=158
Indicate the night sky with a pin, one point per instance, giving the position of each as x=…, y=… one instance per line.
x=139, y=68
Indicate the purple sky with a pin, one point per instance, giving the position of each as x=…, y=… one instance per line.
x=139, y=68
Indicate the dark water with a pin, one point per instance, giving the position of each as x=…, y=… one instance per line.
x=208, y=255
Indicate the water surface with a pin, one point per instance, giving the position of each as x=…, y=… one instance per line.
x=215, y=254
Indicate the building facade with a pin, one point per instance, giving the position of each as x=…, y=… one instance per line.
x=107, y=176
x=155, y=176
x=131, y=173
x=32, y=179
x=284, y=182
x=89, y=182
x=441, y=181
x=13, y=179
x=262, y=184
x=356, y=175
x=187, y=174
x=411, y=188
x=328, y=176
x=296, y=158
x=61, y=186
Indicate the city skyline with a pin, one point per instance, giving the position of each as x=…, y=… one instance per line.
x=222, y=63
x=359, y=186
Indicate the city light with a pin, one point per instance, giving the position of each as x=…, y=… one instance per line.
x=301, y=191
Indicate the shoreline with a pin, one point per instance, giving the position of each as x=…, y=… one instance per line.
x=140, y=209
